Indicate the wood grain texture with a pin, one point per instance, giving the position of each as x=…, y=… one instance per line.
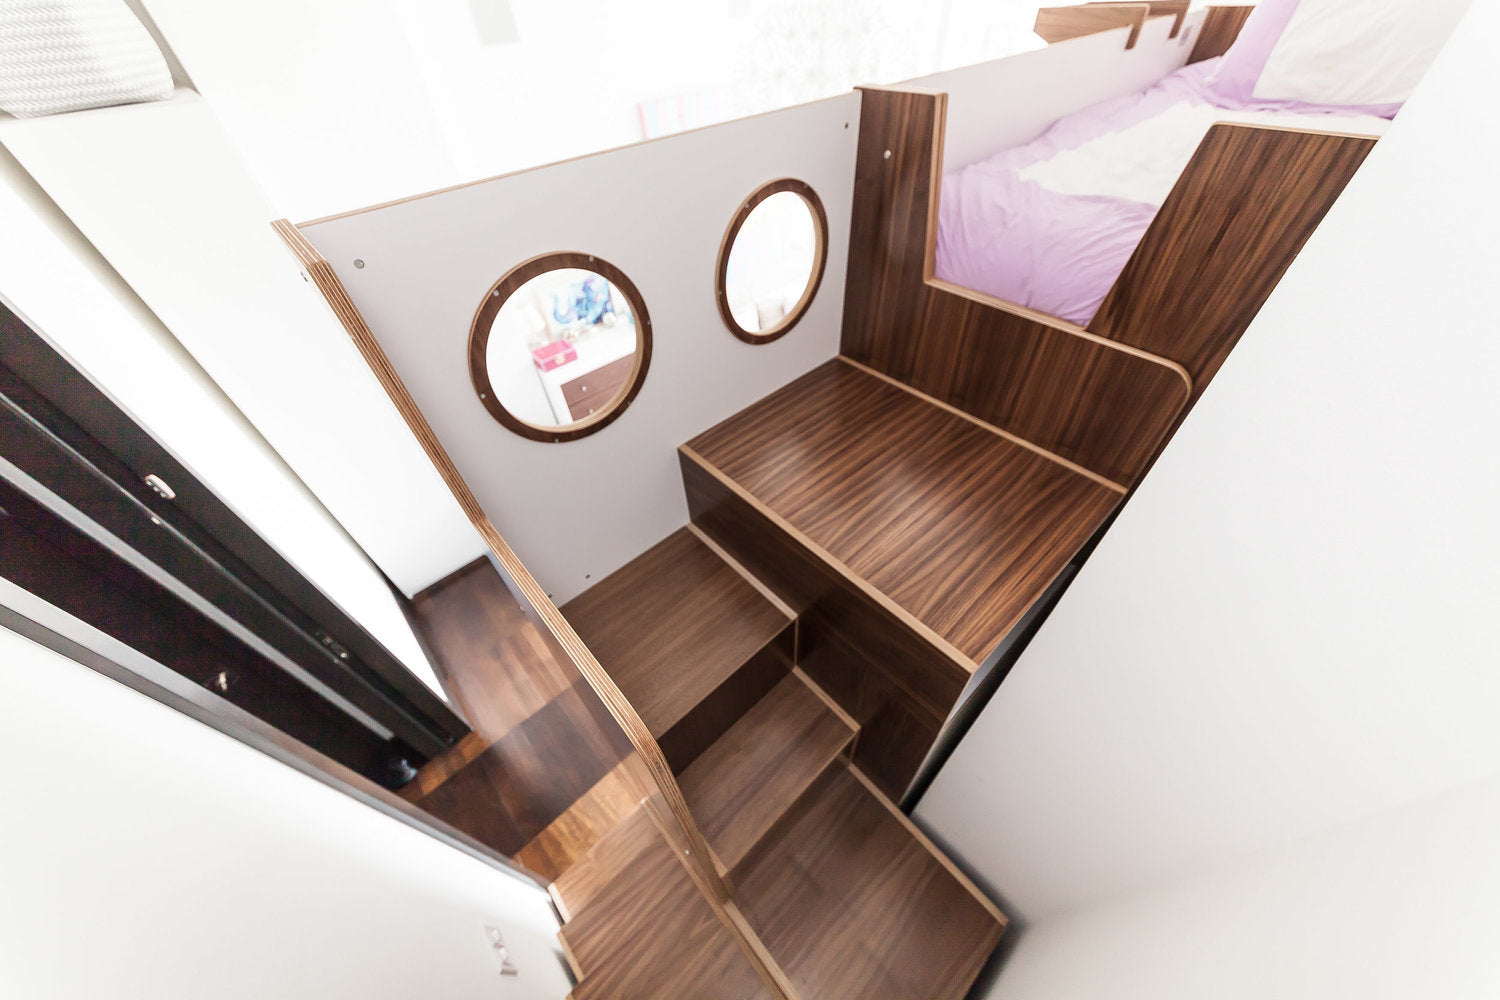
x=1175, y=9
x=1220, y=27
x=516, y=787
x=689, y=641
x=753, y=774
x=575, y=831
x=850, y=904
x=518, y=579
x=647, y=931
x=957, y=526
x=494, y=300
x=820, y=259
x=1238, y=216
x=1059, y=24
x=1094, y=402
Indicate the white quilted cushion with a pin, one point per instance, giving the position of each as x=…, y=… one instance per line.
x=67, y=55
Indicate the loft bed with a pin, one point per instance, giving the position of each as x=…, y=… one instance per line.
x=1051, y=223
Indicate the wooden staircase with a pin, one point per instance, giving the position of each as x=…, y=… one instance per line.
x=834, y=890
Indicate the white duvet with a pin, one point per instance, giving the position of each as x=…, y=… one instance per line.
x=1142, y=162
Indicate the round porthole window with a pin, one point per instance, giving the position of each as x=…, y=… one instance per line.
x=560, y=346
x=771, y=260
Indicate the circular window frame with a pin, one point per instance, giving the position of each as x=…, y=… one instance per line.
x=820, y=259
x=494, y=300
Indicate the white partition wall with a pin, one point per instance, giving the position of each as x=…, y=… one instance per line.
x=1291, y=626
x=575, y=511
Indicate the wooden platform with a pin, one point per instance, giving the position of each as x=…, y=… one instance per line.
x=850, y=903
x=689, y=641
x=957, y=525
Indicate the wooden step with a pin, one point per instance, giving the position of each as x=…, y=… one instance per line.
x=687, y=639
x=647, y=931
x=753, y=775
x=915, y=535
x=852, y=901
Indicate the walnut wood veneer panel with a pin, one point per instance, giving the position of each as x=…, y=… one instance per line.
x=1220, y=27
x=851, y=904
x=753, y=774
x=689, y=641
x=1051, y=383
x=1236, y=219
x=958, y=527
x=1058, y=24
x=648, y=932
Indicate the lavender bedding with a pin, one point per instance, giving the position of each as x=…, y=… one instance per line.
x=1051, y=224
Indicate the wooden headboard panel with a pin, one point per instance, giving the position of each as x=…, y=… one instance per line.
x=1105, y=397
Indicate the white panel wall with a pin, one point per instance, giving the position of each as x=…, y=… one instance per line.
x=1402, y=906
x=179, y=216
x=1292, y=625
x=147, y=857
x=324, y=98
x=1008, y=102
x=578, y=510
x=52, y=277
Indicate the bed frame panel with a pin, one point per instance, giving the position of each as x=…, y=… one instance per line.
x=1247, y=202
x=1090, y=400
x=1221, y=26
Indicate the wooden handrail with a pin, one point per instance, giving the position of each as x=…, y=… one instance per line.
x=529, y=593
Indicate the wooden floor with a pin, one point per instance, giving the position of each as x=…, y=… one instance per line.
x=543, y=775
x=961, y=527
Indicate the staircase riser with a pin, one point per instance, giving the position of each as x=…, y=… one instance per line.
x=712, y=717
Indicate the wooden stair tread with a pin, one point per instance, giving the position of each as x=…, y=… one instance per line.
x=632, y=837
x=850, y=903
x=646, y=931
x=752, y=775
x=673, y=625
x=959, y=526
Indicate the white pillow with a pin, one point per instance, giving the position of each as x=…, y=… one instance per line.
x=67, y=55
x=1357, y=52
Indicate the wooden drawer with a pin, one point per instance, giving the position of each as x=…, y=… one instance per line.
x=593, y=391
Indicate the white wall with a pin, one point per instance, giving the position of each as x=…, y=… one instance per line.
x=52, y=277
x=577, y=510
x=1292, y=624
x=147, y=856
x=179, y=216
x=1402, y=906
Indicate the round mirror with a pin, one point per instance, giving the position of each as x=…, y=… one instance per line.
x=771, y=260
x=559, y=347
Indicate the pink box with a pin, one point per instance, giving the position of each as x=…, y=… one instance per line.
x=554, y=355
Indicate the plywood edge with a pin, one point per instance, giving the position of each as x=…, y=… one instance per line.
x=323, y=276
x=1331, y=133
x=937, y=853
x=949, y=652
x=766, y=966
x=745, y=574
x=998, y=432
